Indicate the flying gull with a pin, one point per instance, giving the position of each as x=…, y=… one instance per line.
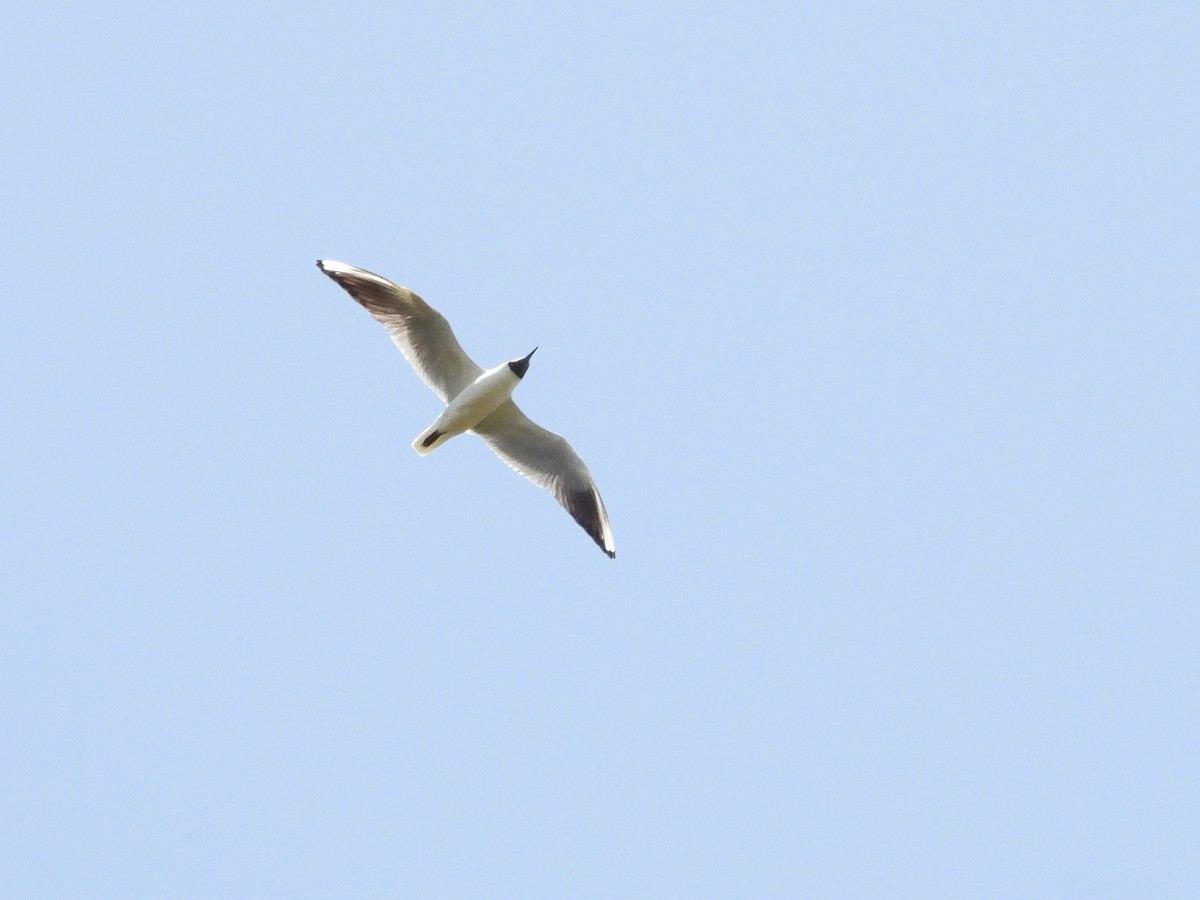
x=477, y=400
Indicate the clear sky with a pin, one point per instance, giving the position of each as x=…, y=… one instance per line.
x=877, y=325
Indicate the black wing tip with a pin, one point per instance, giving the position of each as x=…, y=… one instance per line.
x=586, y=509
x=611, y=554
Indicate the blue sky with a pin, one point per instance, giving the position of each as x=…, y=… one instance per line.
x=876, y=324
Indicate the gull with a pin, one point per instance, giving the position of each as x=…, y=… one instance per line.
x=477, y=400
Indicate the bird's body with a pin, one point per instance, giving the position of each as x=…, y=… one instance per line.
x=477, y=400
x=473, y=404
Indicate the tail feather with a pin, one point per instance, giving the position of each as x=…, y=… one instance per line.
x=429, y=440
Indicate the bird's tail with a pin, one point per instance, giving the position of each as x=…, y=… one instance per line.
x=429, y=440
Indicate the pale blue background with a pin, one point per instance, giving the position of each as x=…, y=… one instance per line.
x=877, y=324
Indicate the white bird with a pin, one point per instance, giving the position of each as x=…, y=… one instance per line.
x=477, y=400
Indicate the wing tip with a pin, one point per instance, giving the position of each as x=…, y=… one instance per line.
x=586, y=508
x=347, y=276
x=333, y=267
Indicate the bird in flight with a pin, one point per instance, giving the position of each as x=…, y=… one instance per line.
x=477, y=400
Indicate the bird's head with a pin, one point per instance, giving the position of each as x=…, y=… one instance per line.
x=520, y=366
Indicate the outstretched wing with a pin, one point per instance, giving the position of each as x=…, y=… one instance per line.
x=420, y=331
x=547, y=460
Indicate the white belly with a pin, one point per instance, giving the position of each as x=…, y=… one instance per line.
x=478, y=400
